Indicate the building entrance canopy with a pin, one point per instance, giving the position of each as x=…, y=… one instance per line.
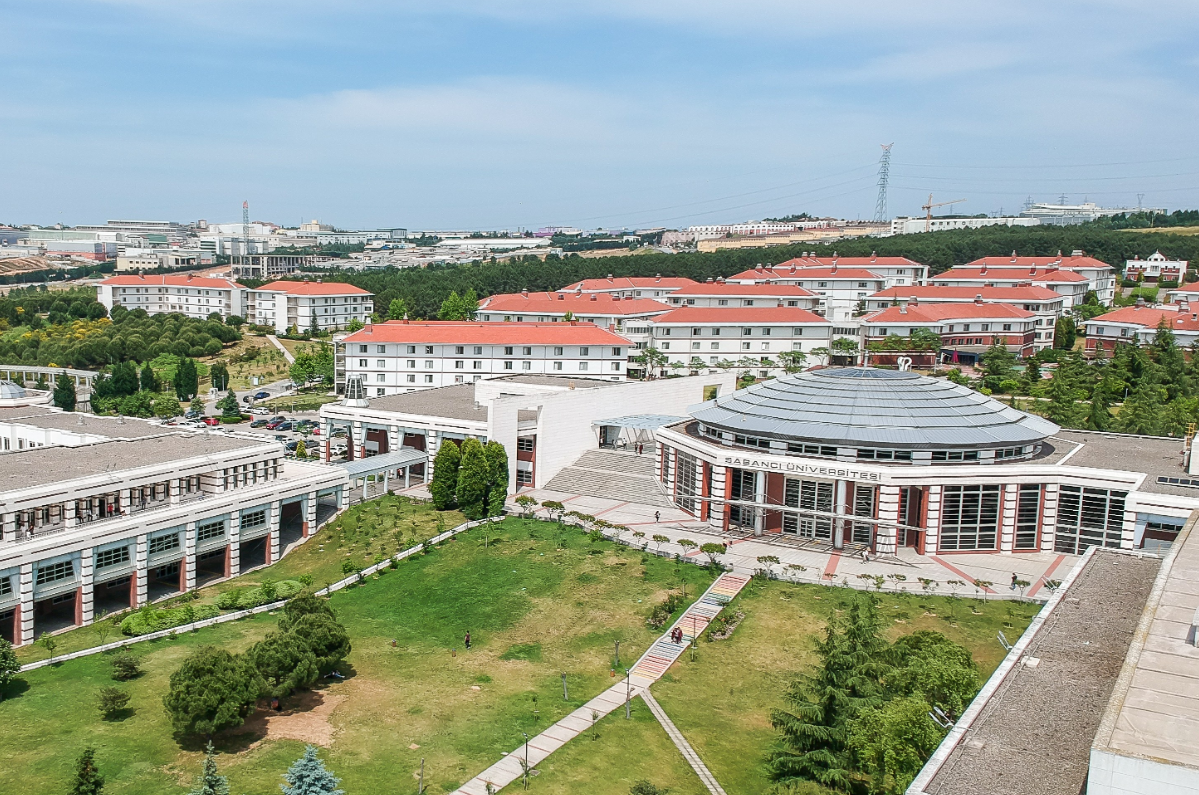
x=383, y=463
x=632, y=429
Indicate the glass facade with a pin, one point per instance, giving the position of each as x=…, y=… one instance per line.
x=1088, y=518
x=969, y=518
x=808, y=495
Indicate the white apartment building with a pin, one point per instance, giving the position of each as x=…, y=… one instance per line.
x=107, y=514
x=624, y=316
x=326, y=305
x=1157, y=267
x=694, y=338
x=720, y=293
x=186, y=294
x=656, y=287
x=915, y=225
x=403, y=356
x=1046, y=305
x=1138, y=324
x=1073, y=287
x=1101, y=277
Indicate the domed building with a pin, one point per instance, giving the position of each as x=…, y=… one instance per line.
x=866, y=458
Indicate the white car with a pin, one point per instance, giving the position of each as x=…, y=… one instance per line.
x=192, y=424
x=262, y=411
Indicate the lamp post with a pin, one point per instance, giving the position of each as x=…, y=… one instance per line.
x=526, y=734
x=627, y=692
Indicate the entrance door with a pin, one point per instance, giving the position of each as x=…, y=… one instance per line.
x=808, y=495
x=910, y=499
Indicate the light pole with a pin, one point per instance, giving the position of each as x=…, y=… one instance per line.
x=526, y=734
x=627, y=693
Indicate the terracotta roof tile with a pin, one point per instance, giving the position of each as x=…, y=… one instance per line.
x=494, y=333
x=739, y=314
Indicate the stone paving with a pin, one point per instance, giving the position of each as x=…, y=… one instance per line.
x=681, y=743
x=821, y=564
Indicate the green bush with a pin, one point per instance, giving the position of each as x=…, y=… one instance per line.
x=245, y=598
x=146, y=620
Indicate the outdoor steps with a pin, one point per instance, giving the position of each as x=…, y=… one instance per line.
x=612, y=476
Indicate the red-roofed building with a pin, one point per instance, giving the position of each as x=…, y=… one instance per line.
x=1070, y=285
x=720, y=293
x=402, y=356
x=966, y=330
x=1137, y=325
x=841, y=288
x=305, y=304
x=1155, y=267
x=1101, y=277
x=186, y=294
x=696, y=338
x=1046, y=304
x=656, y=287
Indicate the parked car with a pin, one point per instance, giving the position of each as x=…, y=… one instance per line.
x=291, y=446
x=258, y=424
x=275, y=422
x=193, y=415
x=316, y=430
x=283, y=426
x=212, y=421
x=191, y=424
x=247, y=399
x=260, y=411
x=261, y=395
x=339, y=433
x=281, y=439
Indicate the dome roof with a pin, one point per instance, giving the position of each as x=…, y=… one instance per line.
x=864, y=406
x=11, y=391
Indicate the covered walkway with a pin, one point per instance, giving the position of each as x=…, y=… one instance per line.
x=624, y=432
x=371, y=476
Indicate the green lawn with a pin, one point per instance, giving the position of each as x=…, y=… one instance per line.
x=539, y=601
x=305, y=401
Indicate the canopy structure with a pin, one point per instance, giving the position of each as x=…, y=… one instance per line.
x=377, y=470
x=633, y=429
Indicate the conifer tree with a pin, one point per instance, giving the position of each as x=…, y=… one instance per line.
x=210, y=782
x=444, y=485
x=88, y=780
x=64, y=392
x=473, y=476
x=149, y=379
x=308, y=776
x=497, y=487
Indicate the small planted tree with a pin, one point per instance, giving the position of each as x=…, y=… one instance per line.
x=687, y=544
x=1022, y=585
x=87, y=779
x=767, y=561
x=49, y=643
x=64, y=392
x=555, y=509
x=308, y=776
x=9, y=665
x=210, y=782
x=112, y=701
x=125, y=666
x=981, y=586
x=526, y=505
x=212, y=690
x=658, y=540
x=927, y=584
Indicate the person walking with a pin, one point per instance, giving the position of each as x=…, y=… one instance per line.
x=466, y=640
x=657, y=516
x=1014, y=579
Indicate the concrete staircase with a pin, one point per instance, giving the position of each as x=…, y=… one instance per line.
x=609, y=475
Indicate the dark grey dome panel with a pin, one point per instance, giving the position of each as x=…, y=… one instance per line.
x=862, y=406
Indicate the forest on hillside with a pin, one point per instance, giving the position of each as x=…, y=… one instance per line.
x=424, y=289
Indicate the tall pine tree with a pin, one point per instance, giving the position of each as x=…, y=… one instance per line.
x=497, y=486
x=64, y=392
x=473, y=477
x=443, y=487
x=88, y=780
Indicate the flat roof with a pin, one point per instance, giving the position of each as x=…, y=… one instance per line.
x=78, y=422
x=44, y=465
x=453, y=402
x=1156, y=456
x=1031, y=734
x=1154, y=708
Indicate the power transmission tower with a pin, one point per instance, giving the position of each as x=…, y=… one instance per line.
x=884, y=173
x=245, y=227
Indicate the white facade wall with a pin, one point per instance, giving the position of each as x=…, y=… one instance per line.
x=393, y=368
x=713, y=342
x=193, y=301
x=284, y=310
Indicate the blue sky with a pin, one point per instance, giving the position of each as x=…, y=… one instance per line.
x=642, y=113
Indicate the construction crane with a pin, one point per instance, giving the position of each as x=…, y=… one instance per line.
x=928, y=210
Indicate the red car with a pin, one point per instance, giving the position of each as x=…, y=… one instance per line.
x=211, y=421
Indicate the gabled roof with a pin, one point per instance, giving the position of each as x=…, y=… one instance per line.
x=1038, y=262
x=686, y=315
x=748, y=290
x=628, y=283
x=312, y=288
x=480, y=333
x=1027, y=274
x=171, y=280
x=967, y=293
x=804, y=274
x=849, y=262
x=1149, y=317
x=938, y=313
x=561, y=303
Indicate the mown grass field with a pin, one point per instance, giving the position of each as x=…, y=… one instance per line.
x=539, y=600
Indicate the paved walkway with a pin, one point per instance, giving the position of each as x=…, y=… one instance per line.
x=286, y=353
x=818, y=563
x=644, y=672
x=681, y=743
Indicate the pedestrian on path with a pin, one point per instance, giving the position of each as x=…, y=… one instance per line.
x=466, y=640
x=657, y=516
x=1014, y=579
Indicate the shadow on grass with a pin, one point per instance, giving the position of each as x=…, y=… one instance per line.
x=14, y=689
x=119, y=715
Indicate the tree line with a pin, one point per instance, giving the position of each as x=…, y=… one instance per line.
x=473, y=478
x=423, y=290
